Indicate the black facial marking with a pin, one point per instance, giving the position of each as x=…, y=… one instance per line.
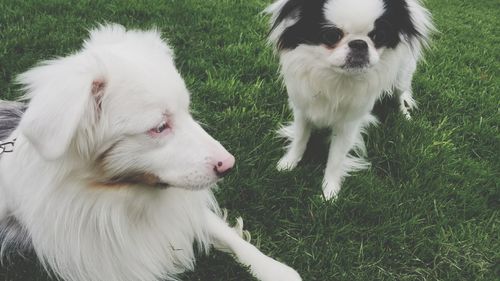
x=311, y=28
x=384, y=34
x=395, y=21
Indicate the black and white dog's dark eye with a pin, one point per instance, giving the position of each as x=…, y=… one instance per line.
x=379, y=37
x=384, y=35
x=331, y=36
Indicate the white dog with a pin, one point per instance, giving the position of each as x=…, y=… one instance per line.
x=110, y=176
x=337, y=58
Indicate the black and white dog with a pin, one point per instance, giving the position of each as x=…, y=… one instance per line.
x=337, y=58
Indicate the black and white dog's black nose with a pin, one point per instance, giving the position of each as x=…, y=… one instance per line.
x=358, y=45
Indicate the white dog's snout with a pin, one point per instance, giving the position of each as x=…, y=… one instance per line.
x=224, y=165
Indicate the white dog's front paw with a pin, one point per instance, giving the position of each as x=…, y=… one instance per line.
x=288, y=162
x=331, y=189
x=272, y=270
x=245, y=234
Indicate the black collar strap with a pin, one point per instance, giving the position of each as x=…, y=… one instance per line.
x=6, y=147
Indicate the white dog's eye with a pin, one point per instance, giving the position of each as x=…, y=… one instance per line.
x=161, y=129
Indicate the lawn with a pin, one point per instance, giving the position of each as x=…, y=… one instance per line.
x=429, y=207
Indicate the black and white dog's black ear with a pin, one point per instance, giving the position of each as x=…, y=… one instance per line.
x=61, y=92
x=283, y=9
x=284, y=13
x=295, y=22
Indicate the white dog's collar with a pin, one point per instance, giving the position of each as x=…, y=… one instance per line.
x=6, y=147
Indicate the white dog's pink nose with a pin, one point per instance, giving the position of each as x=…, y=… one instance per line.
x=223, y=167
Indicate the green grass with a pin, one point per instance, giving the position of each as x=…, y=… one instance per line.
x=428, y=209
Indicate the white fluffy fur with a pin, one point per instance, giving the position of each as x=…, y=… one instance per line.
x=322, y=94
x=89, y=119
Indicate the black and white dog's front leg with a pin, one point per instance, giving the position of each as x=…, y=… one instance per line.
x=345, y=137
x=298, y=134
x=261, y=266
x=404, y=88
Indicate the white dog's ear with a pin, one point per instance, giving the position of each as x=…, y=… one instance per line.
x=61, y=92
